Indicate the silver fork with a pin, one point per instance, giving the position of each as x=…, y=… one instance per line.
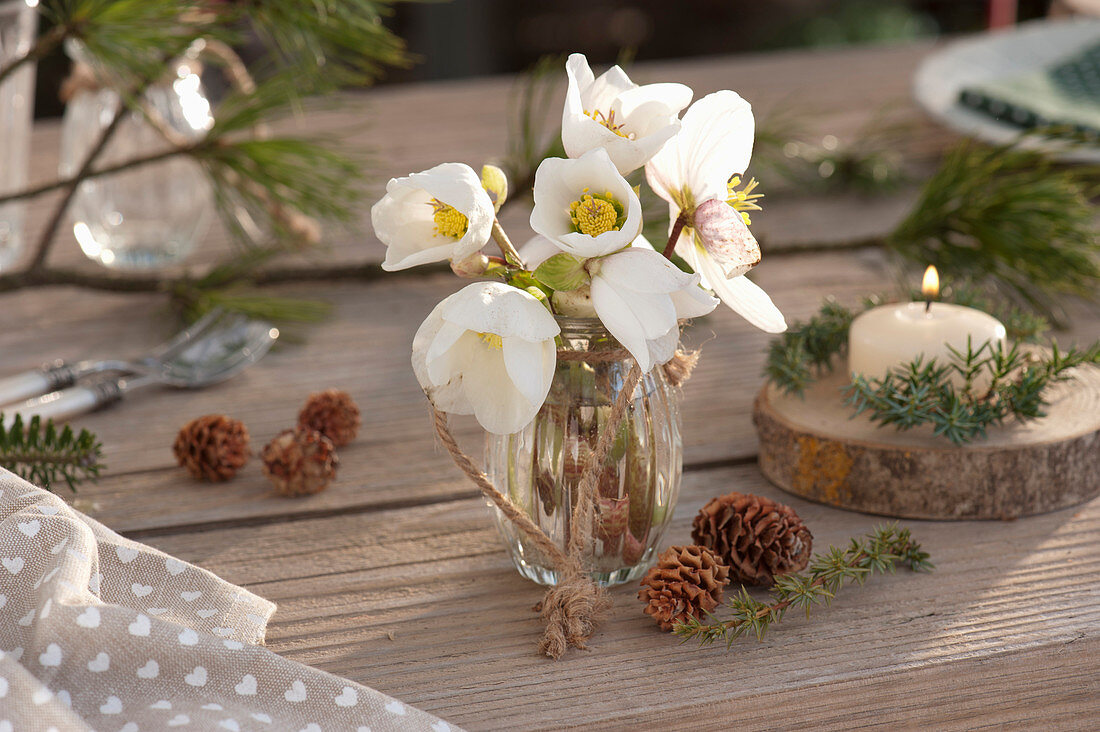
x=59, y=374
x=230, y=345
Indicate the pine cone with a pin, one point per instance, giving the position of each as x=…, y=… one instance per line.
x=333, y=414
x=686, y=582
x=758, y=538
x=212, y=447
x=299, y=462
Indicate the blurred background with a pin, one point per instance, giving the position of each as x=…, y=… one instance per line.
x=464, y=38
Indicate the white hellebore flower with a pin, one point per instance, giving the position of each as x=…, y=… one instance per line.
x=692, y=172
x=584, y=205
x=438, y=214
x=639, y=296
x=631, y=122
x=487, y=350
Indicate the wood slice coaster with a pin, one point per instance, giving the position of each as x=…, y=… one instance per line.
x=812, y=447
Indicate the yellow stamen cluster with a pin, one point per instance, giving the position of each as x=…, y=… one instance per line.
x=492, y=340
x=448, y=221
x=608, y=121
x=743, y=200
x=595, y=215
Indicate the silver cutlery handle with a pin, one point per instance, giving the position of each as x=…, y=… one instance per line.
x=60, y=405
x=50, y=377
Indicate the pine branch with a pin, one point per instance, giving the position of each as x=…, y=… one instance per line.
x=45, y=456
x=329, y=43
x=1010, y=217
x=828, y=572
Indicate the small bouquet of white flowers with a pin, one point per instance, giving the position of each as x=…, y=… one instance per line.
x=586, y=481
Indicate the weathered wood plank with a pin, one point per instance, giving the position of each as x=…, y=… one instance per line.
x=1007, y=603
x=364, y=348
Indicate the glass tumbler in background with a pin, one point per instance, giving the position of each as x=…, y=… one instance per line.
x=150, y=216
x=18, y=23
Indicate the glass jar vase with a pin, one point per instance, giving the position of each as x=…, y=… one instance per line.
x=539, y=468
x=150, y=216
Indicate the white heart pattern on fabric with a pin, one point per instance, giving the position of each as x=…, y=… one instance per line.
x=232, y=645
x=48, y=510
x=28, y=618
x=156, y=610
x=52, y=656
x=311, y=727
x=41, y=695
x=12, y=564
x=254, y=618
x=179, y=720
x=46, y=608
x=441, y=726
x=129, y=727
x=65, y=698
x=213, y=707
x=89, y=618
x=205, y=613
x=174, y=566
x=247, y=687
x=100, y=663
x=94, y=582
x=261, y=717
x=190, y=595
x=162, y=704
x=59, y=545
x=126, y=554
x=395, y=707
x=3, y=687
x=296, y=692
x=150, y=670
x=230, y=724
x=15, y=653
x=78, y=555
x=347, y=697
x=196, y=677
x=30, y=528
x=140, y=626
x=222, y=632
x=188, y=637
x=113, y=705
x=140, y=590
x=47, y=577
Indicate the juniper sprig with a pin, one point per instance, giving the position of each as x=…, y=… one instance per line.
x=925, y=392
x=880, y=551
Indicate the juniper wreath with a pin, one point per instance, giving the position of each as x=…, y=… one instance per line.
x=922, y=392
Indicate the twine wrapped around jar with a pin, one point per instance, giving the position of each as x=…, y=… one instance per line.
x=573, y=608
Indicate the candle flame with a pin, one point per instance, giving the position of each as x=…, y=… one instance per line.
x=930, y=285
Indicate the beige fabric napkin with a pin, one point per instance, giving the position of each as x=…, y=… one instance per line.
x=100, y=632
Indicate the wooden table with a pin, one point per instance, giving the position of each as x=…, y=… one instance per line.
x=395, y=577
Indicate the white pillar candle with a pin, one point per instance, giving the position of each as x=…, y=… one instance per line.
x=891, y=335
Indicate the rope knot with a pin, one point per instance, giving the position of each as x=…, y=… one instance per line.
x=572, y=609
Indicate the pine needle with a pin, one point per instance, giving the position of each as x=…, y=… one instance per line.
x=1010, y=217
